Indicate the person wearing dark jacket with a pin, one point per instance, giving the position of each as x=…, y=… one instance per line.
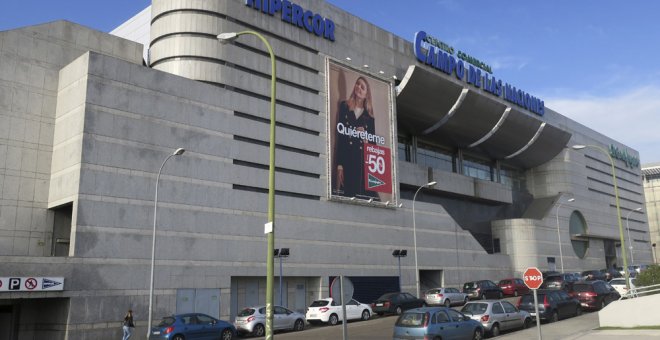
x=128, y=325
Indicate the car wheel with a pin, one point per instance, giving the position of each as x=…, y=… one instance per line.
x=398, y=310
x=365, y=315
x=500, y=296
x=515, y=293
x=578, y=311
x=495, y=331
x=333, y=320
x=178, y=337
x=258, y=330
x=478, y=335
x=527, y=323
x=299, y=325
x=602, y=304
x=447, y=303
x=424, y=304
x=554, y=317
x=226, y=334
x=483, y=296
x=466, y=300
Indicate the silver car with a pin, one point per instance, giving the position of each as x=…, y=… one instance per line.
x=252, y=320
x=497, y=315
x=445, y=296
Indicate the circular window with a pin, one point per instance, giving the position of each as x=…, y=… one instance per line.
x=578, y=226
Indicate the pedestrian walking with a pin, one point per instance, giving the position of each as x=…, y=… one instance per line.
x=128, y=325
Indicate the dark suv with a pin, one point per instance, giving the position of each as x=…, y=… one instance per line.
x=553, y=305
x=482, y=289
x=594, y=294
x=558, y=281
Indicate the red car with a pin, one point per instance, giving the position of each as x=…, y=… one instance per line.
x=513, y=287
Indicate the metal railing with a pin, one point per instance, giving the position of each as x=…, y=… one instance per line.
x=641, y=291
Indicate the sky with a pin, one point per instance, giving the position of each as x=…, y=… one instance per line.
x=594, y=61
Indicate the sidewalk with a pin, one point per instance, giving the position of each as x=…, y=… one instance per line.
x=579, y=328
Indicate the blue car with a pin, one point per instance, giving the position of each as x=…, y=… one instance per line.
x=192, y=326
x=436, y=323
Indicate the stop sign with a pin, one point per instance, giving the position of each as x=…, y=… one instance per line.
x=533, y=278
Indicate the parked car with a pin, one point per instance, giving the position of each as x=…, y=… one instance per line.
x=549, y=272
x=620, y=285
x=513, y=286
x=558, y=281
x=436, y=323
x=594, y=294
x=611, y=273
x=252, y=320
x=482, y=289
x=192, y=326
x=632, y=271
x=592, y=275
x=396, y=303
x=497, y=315
x=445, y=296
x=329, y=311
x=553, y=305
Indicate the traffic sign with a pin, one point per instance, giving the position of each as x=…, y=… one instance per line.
x=533, y=278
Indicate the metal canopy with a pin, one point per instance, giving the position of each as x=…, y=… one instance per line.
x=436, y=106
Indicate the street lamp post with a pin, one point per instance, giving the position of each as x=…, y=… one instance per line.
x=176, y=152
x=399, y=253
x=561, y=257
x=632, y=258
x=280, y=253
x=270, y=226
x=618, y=208
x=655, y=256
x=429, y=184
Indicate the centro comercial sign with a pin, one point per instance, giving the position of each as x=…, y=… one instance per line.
x=433, y=52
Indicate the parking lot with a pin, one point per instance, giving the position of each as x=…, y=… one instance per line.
x=381, y=328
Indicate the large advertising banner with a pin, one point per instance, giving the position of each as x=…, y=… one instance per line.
x=360, y=135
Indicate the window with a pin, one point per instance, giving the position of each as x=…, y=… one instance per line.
x=496, y=245
x=454, y=315
x=442, y=317
x=435, y=157
x=497, y=308
x=508, y=307
x=477, y=168
x=578, y=226
x=513, y=178
x=404, y=149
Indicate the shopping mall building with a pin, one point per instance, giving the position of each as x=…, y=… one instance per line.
x=365, y=120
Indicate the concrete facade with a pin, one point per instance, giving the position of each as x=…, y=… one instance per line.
x=651, y=174
x=88, y=126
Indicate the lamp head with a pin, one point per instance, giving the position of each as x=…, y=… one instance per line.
x=178, y=152
x=638, y=209
x=578, y=147
x=227, y=37
x=430, y=184
x=571, y=200
x=400, y=205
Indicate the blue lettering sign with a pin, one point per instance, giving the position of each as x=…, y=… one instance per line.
x=296, y=15
x=433, y=55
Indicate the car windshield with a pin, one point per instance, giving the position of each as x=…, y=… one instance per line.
x=166, y=322
x=434, y=291
x=582, y=288
x=469, y=285
x=554, y=279
x=412, y=319
x=475, y=308
x=505, y=282
x=319, y=303
x=246, y=312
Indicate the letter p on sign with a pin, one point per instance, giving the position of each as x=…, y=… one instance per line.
x=533, y=278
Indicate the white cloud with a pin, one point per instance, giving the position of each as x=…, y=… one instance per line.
x=632, y=117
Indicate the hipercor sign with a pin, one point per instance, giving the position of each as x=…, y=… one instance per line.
x=31, y=284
